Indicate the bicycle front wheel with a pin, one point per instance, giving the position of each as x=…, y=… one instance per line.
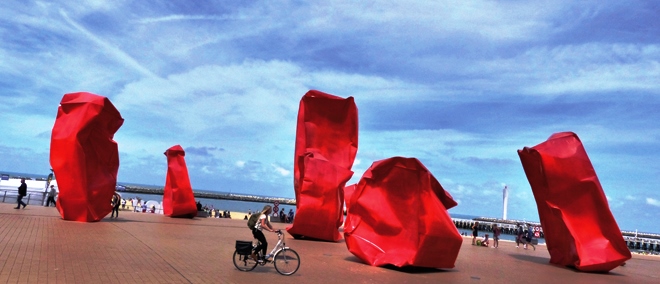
x=286, y=261
x=244, y=262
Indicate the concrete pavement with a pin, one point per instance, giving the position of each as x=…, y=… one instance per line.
x=37, y=246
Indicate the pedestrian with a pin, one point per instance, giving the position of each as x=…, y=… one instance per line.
x=51, y=196
x=115, y=205
x=519, y=235
x=496, y=235
x=22, y=191
x=290, y=216
x=475, y=232
x=529, y=237
x=123, y=204
x=282, y=216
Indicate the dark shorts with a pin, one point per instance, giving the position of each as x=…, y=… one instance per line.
x=475, y=234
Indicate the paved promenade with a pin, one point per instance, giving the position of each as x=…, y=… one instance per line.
x=36, y=246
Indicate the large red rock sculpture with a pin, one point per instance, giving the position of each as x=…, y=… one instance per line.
x=84, y=156
x=178, y=197
x=579, y=228
x=326, y=145
x=398, y=216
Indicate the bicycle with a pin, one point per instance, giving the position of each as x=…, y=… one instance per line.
x=286, y=260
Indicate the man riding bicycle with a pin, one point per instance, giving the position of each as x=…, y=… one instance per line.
x=262, y=223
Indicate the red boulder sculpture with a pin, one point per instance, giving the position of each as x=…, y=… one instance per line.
x=178, y=197
x=579, y=228
x=84, y=157
x=348, y=193
x=398, y=216
x=326, y=145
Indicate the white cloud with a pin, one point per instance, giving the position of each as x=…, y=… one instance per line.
x=240, y=164
x=117, y=53
x=652, y=201
x=175, y=18
x=630, y=197
x=282, y=171
x=585, y=68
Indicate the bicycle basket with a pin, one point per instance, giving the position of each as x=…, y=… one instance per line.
x=244, y=247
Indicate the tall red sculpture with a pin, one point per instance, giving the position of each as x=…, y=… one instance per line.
x=579, y=228
x=178, y=197
x=326, y=145
x=398, y=215
x=84, y=157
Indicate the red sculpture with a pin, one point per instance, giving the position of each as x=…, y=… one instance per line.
x=178, y=197
x=84, y=157
x=348, y=193
x=398, y=215
x=579, y=228
x=326, y=145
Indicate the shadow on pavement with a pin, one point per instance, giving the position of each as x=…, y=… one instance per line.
x=405, y=269
x=546, y=261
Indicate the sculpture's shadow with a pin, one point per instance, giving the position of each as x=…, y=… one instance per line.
x=405, y=269
x=546, y=261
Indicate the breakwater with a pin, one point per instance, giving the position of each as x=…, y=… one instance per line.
x=209, y=195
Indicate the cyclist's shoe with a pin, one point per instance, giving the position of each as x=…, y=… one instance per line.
x=261, y=261
x=268, y=256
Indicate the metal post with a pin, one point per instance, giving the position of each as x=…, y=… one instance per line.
x=5, y=196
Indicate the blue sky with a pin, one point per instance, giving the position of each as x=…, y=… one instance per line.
x=460, y=85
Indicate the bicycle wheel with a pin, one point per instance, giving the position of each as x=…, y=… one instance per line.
x=244, y=262
x=286, y=261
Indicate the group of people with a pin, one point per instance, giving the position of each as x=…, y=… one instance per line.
x=22, y=192
x=486, y=241
x=216, y=213
x=286, y=218
x=524, y=236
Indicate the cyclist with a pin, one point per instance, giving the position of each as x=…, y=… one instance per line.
x=259, y=235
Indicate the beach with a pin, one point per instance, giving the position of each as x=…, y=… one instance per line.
x=36, y=245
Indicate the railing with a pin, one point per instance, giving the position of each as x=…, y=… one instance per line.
x=31, y=196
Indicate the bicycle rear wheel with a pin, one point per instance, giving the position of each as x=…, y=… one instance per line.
x=286, y=261
x=244, y=262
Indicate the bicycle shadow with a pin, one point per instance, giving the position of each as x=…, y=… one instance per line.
x=405, y=269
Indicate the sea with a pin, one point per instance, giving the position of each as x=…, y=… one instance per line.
x=237, y=206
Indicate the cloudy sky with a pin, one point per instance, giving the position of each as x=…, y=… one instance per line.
x=460, y=85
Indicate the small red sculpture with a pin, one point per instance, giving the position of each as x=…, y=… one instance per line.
x=326, y=145
x=579, y=228
x=84, y=157
x=398, y=215
x=178, y=197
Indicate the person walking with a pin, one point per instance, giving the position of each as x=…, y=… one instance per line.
x=290, y=219
x=496, y=235
x=116, y=201
x=51, y=196
x=22, y=191
x=529, y=236
x=519, y=235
